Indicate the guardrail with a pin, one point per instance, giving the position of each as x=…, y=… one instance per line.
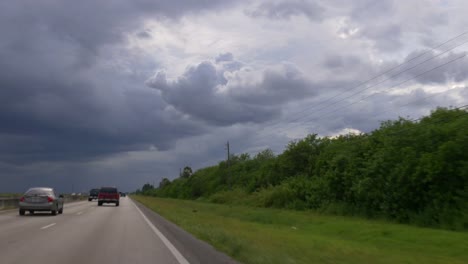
x=6, y=203
x=13, y=202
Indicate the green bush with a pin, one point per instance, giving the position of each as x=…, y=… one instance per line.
x=407, y=171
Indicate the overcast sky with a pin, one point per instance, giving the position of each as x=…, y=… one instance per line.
x=124, y=92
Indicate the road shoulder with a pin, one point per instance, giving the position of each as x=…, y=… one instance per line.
x=193, y=249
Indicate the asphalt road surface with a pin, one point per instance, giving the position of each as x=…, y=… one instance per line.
x=86, y=233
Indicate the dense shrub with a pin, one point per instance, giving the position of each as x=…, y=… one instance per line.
x=408, y=171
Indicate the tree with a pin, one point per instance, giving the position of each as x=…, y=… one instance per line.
x=187, y=172
x=147, y=187
x=265, y=155
x=412, y=172
x=164, y=182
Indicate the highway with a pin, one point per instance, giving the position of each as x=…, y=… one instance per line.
x=87, y=233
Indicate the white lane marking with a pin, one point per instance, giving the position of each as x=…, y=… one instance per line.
x=47, y=226
x=166, y=242
x=79, y=213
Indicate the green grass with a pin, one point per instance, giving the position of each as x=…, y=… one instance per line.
x=9, y=195
x=261, y=235
x=7, y=208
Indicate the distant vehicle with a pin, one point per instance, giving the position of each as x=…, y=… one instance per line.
x=41, y=199
x=122, y=194
x=108, y=195
x=93, y=194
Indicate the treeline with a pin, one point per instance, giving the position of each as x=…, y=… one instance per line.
x=409, y=171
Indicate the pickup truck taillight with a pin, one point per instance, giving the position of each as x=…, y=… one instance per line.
x=50, y=199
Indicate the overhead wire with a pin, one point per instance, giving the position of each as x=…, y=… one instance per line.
x=374, y=85
x=361, y=99
x=424, y=98
x=386, y=72
x=407, y=62
x=434, y=121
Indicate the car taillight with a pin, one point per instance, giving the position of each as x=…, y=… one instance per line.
x=22, y=199
x=50, y=199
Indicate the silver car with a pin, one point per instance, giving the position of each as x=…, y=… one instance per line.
x=41, y=199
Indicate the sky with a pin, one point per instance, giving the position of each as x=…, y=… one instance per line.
x=126, y=92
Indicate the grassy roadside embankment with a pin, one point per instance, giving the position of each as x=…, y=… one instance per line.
x=261, y=235
x=8, y=195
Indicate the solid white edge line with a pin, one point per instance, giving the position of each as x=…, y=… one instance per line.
x=47, y=226
x=166, y=242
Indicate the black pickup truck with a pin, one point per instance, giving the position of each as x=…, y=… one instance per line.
x=93, y=194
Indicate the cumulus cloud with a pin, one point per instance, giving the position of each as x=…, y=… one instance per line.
x=58, y=98
x=74, y=102
x=226, y=92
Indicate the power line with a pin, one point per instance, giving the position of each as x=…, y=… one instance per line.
x=434, y=121
x=405, y=81
x=386, y=72
x=380, y=75
x=391, y=77
x=228, y=165
x=352, y=103
x=405, y=105
x=424, y=98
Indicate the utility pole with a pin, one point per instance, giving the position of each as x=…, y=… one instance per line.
x=229, y=165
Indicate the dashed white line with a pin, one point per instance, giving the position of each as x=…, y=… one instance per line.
x=47, y=226
x=79, y=213
x=166, y=242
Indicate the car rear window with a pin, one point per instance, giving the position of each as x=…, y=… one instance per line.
x=108, y=190
x=39, y=192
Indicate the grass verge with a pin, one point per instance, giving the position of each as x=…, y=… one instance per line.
x=261, y=235
x=7, y=208
x=9, y=195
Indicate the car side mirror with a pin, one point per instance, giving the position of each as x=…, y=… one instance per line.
x=61, y=196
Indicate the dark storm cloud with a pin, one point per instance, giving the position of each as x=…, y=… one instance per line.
x=288, y=9
x=74, y=104
x=195, y=93
x=274, y=86
x=67, y=118
x=90, y=23
x=221, y=94
x=56, y=103
x=69, y=131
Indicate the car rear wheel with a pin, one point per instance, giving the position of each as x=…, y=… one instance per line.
x=99, y=203
x=60, y=211
x=117, y=204
x=21, y=212
x=89, y=199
